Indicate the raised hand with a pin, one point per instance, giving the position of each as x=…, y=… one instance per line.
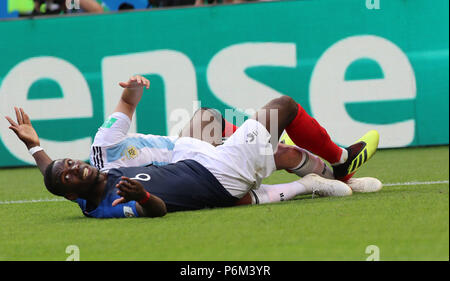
x=23, y=128
x=136, y=82
x=131, y=95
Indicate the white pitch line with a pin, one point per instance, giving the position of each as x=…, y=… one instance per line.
x=32, y=201
x=61, y=200
x=415, y=183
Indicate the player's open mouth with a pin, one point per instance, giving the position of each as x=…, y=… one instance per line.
x=85, y=173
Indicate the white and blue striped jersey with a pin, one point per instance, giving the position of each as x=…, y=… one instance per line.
x=114, y=147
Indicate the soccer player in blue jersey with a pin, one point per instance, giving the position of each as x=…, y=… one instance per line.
x=200, y=175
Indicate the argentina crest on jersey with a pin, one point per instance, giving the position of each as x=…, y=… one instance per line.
x=140, y=150
x=131, y=152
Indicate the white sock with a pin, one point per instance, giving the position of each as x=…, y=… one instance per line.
x=278, y=192
x=312, y=164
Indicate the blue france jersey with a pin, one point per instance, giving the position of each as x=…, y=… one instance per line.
x=105, y=209
x=185, y=185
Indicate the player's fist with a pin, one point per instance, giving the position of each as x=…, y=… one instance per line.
x=136, y=82
x=129, y=190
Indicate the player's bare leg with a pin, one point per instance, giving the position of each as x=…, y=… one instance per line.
x=364, y=184
x=209, y=125
x=305, y=130
x=206, y=125
x=301, y=162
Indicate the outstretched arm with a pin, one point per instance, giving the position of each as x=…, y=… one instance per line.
x=131, y=94
x=26, y=133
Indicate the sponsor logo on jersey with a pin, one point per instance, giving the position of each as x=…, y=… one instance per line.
x=128, y=212
x=108, y=123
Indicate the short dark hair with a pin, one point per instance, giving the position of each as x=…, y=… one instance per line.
x=50, y=181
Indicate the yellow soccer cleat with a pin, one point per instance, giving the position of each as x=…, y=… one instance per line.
x=358, y=154
x=286, y=139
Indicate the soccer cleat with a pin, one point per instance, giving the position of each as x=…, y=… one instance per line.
x=325, y=187
x=286, y=139
x=366, y=184
x=358, y=154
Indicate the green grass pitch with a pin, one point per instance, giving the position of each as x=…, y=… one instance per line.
x=406, y=222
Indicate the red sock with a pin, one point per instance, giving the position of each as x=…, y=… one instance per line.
x=307, y=133
x=228, y=128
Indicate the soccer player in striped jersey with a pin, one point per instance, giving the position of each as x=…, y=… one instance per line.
x=114, y=147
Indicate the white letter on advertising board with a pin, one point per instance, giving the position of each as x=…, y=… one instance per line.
x=329, y=92
x=75, y=103
x=229, y=82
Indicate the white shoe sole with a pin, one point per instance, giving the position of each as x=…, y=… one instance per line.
x=366, y=184
x=326, y=187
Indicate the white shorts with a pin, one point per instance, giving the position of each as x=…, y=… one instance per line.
x=240, y=164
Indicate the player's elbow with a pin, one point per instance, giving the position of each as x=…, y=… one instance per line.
x=157, y=210
x=161, y=212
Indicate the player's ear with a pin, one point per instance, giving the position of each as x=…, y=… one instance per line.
x=71, y=196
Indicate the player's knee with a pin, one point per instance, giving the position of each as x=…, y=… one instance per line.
x=287, y=104
x=287, y=156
